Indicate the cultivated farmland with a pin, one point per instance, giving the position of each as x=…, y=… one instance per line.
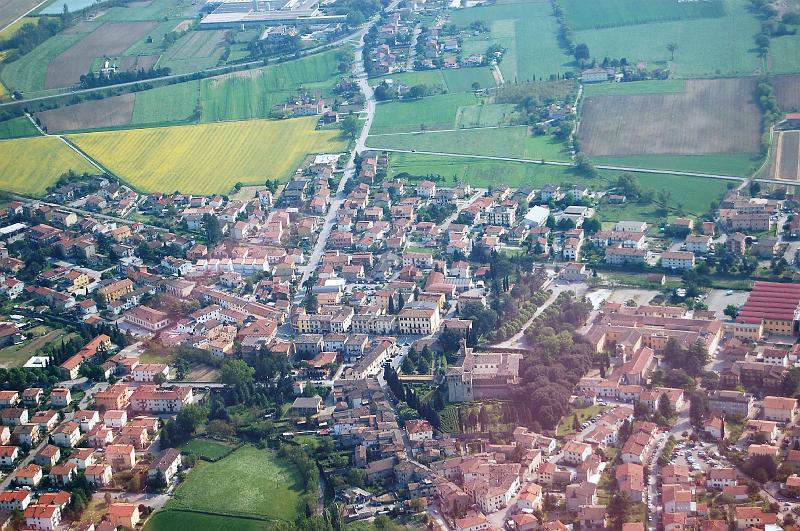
x=264, y=486
x=513, y=142
x=431, y=113
x=787, y=91
x=712, y=116
x=11, y=9
x=586, y=14
x=787, y=156
x=29, y=165
x=109, y=39
x=93, y=114
x=208, y=158
x=529, y=32
x=17, y=128
x=706, y=46
x=458, y=80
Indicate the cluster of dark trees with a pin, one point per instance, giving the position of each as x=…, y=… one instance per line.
x=31, y=35
x=427, y=409
x=771, y=112
x=691, y=359
x=556, y=364
x=772, y=24
x=92, y=79
x=358, y=11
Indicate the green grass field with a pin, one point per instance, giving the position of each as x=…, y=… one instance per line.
x=171, y=520
x=208, y=158
x=736, y=164
x=431, y=113
x=504, y=142
x=457, y=80
x=17, y=128
x=486, y=115
x=29, y=165
x=170, y=103
x=706, y=46
x=263, y=486
x=635, y=87
x=27, y=73
x=196, y=50
x=206, y=448
x=585, y=14
x=253, y=93
x=784, y=55
x=527, y=30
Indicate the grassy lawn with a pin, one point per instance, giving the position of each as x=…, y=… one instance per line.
x=635, y=87
x=613, y=13
x=585, y=413
x=706, y=46
x=169, y=520
x=211, y=450
x=513, y=142
x=528, y=31
x=457, y=80
x=431, y=113
x=736, y=164
x=17, y=128
x=17, y=355
x=263, y=486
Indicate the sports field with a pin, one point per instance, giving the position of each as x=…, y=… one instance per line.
x=29, y=165
x=430, y=113
x=458, y=80
x=208, y=158
x=711, y=116
x=706, y=46
x=586, y=14
x=512, y=142
x=263, y=487
x=529, y=32
x=172, y=520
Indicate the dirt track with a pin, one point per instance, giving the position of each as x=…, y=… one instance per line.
x=110, y=39
x=92, y=114
x=711, y=116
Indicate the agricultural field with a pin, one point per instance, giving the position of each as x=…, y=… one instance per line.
x=29, y=165
x=27, y=74
x=57, y=6
x=635, y=87
x=253, y=93
x=272, y=489
x=529, y=32
x=208, y=158
x=787, y=91
x=486, y=116
x=733, y=164
x=17, y=128
x=787, y=156
x=458, y=80
x=430, y=113
x=92, y=114
x=197, y=50
x=711, y=116
x=173, y=520
x=714, y=46
x=784, y=54
x=12, y=28
x=167, y=104
x=513, y=142
x=588, y=14
x=110, y=39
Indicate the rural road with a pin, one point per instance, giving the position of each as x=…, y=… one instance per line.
x=360, y=75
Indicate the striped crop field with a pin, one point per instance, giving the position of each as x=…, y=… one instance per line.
x=208, y=158
x=29, y=165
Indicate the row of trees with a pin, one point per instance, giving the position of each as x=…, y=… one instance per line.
x=92, y=80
